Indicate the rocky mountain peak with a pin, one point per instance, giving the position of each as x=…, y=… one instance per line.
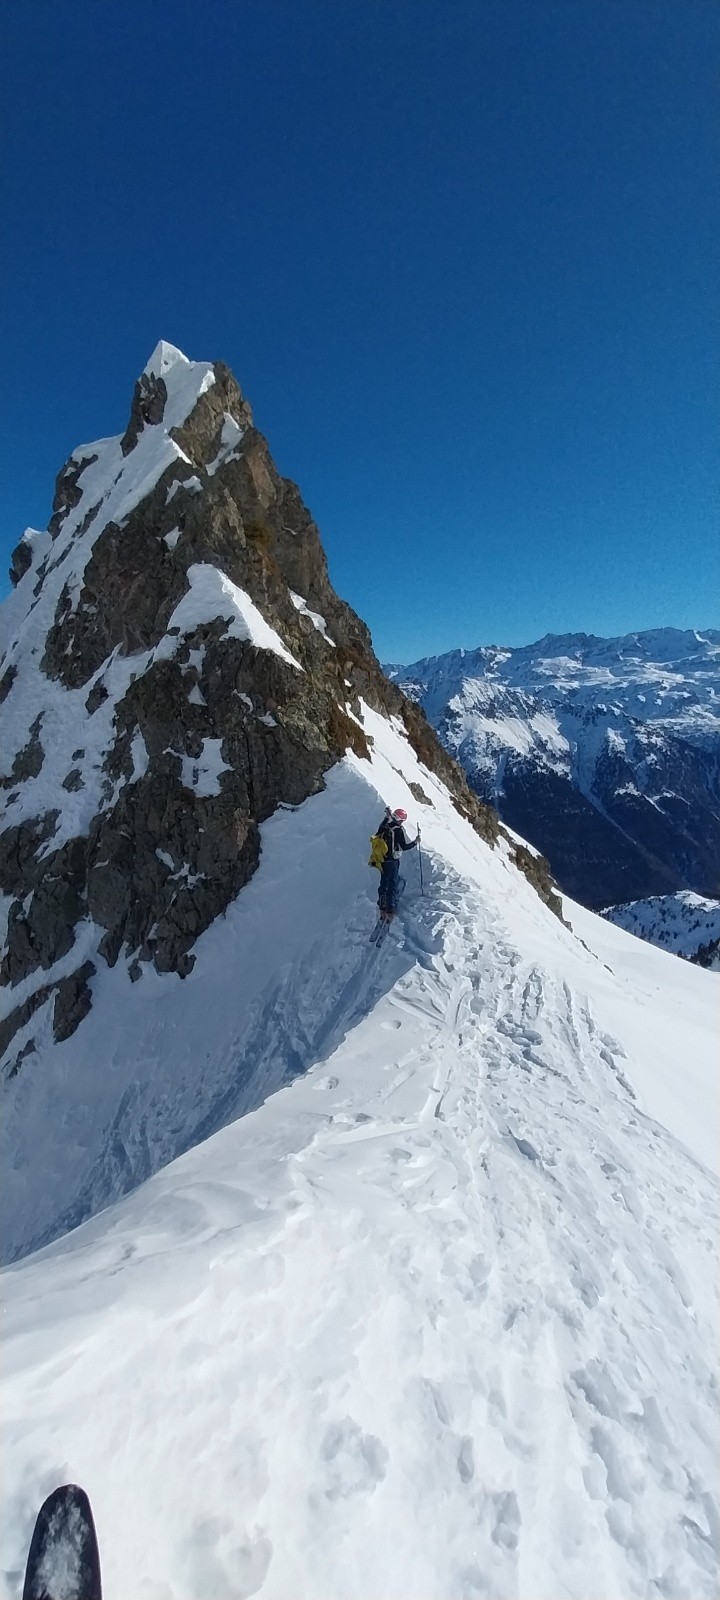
x=176, y=666
x=164, y=357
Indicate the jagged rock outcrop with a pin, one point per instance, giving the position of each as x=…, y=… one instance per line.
x=196, y=670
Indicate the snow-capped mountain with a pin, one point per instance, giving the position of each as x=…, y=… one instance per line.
x=420, y=1301
x=176, y=667
x=605, y=753
x=684, y=923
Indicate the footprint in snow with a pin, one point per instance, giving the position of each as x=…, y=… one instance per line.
x=353, y=1462
x=466, y=1460
x=506, y=1518
x=525, y=1148
x=218, y=1565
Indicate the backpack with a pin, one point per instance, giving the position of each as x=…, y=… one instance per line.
x=378, y=851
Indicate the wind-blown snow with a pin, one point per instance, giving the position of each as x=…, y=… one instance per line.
x=436, y=1320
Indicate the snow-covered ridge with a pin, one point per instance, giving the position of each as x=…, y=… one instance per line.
x=679, y=922
x=454, y=1216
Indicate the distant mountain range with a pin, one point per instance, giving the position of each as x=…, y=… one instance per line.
x=684, y=923
x=604, y=753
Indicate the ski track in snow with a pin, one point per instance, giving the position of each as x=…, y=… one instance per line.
x=413, y=1349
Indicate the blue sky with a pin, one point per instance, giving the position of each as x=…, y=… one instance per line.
x=459, y=255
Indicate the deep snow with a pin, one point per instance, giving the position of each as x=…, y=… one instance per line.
x=437, y=1319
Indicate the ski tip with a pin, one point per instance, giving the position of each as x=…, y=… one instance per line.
x=63, y=1561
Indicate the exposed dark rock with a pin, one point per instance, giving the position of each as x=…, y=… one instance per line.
x=73, y=781
x=419, y=794
x=97, y=696
x=28, y=761
x=131, y=586
x=199, y=437
x=28, y=1049
x=72, y=1001
x=20, y=562
x=537, y=871
x=148, y=408
x=6, y=682
x=41, y=929
x=17, y=1019
x=68, y=492
x=19, y=866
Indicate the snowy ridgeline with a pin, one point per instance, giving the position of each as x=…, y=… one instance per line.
x=663, y=675
x=683, y=923
x=437, y=1319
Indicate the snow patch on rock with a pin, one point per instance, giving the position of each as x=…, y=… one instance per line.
x=212, y=594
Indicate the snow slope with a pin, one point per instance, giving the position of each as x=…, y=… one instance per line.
x=678, y=922
x=437, y=1319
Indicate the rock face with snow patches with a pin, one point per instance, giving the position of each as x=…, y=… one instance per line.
x=176, y=664
x=605, y=753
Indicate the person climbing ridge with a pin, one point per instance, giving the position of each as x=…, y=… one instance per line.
x=392, y=832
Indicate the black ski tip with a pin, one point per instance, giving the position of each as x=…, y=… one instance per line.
x=64, y=1562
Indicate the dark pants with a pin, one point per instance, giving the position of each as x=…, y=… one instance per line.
x=389, y=890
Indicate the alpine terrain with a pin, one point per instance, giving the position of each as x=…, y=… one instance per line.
x=335, y=1271
x=685, y=922
x=605, y=753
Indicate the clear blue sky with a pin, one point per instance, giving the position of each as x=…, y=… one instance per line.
x=460, y=255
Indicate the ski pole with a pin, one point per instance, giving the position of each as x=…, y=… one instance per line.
x=422, y=890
